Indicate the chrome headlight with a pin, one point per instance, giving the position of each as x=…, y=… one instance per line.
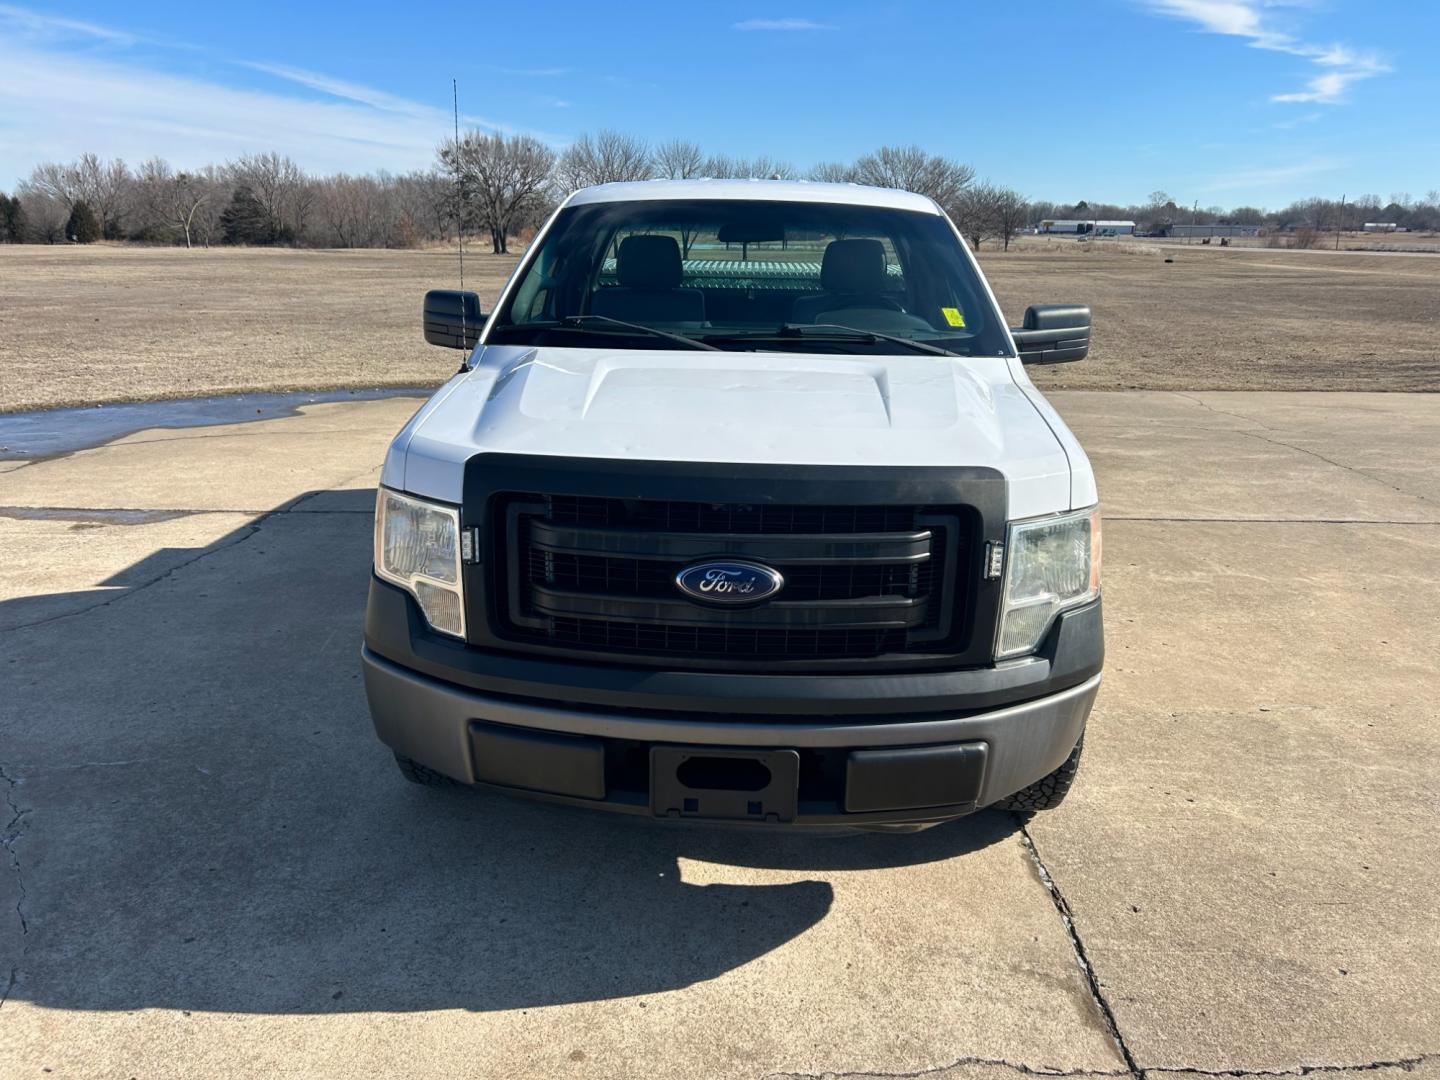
x=417, y=546
x=1051, y=563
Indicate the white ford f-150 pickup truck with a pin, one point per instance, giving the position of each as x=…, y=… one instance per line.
x=741, y=508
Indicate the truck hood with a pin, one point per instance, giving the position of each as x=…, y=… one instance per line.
x=738, y=407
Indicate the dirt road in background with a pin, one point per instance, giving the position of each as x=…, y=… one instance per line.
x=101, y=323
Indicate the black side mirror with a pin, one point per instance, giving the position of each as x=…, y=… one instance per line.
x=453, y=318
x=1053, y=333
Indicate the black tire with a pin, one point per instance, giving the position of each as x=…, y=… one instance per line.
x=1049, y=791
x=423, y=775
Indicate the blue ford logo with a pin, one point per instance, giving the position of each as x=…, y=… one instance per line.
x=729, y=582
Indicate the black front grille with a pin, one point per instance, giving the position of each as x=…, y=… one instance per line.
x=664, y=515
x=597, y=574
x=651, y=577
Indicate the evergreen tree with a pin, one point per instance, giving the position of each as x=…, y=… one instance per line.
x=12, y=220
x=82, y=226
x=244, y=221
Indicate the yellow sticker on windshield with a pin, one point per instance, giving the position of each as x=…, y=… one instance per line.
x=953, y=316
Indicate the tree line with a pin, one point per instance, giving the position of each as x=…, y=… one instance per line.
x=502, y=186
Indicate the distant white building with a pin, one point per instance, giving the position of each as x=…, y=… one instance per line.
x=1190, y=231
x=1090, y=225
x=1380, y=226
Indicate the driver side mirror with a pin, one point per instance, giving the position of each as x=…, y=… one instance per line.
x=1053, y=334
x=453, y=318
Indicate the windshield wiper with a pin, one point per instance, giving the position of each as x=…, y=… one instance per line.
x=830, y=331
x=583, y=322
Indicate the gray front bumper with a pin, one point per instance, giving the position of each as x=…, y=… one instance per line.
x=434, y=723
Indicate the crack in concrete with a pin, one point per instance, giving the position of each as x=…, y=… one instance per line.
x=1291, y=446
x=9, y=836
x=36, y=770
x=1132, y=1066
x=250, y=531
x=116, y=515
x=999, y=1063
x=1406, y=1064
x=1067, y=917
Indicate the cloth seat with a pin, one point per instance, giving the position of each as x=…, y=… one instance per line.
x=853, y=274
x=649, y=272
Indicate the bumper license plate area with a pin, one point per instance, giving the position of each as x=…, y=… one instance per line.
x=724, y=785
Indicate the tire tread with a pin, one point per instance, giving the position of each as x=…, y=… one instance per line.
x=1050, y=790
x=422, y=774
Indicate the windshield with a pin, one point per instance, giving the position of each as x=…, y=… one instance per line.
x=742, y=274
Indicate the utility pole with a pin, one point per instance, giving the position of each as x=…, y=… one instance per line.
x=1341, y=226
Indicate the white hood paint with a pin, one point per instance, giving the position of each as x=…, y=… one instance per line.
x=737, y=407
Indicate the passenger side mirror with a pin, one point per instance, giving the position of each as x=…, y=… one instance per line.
x=1053, y=333
x=453, y=318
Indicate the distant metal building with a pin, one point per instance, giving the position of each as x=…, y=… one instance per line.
x=1089, y=226
x=1189, y=232
x=1380, y=226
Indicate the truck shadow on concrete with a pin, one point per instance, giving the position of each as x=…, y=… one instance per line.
x=204, y=820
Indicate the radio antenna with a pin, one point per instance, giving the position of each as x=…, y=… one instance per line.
x=460, y=214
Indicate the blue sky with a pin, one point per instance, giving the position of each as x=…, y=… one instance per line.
x=1221, y=101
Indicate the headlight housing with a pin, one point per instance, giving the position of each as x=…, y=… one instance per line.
x=1051, y=563
x=417, y=546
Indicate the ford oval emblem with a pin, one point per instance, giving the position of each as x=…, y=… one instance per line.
x=729, y=582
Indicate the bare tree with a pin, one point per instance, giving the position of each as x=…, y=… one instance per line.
x=1317, y=213
x=678, y=159
x=912, y=169
x=350, y=207
x=975, y=212
x=165, y=199
x=832, y=172
x=606, y=158
x=1011, y=213
x=103, y=185
x=279, y=185
x=504, y=175
x=51, y=180
x=725, y=167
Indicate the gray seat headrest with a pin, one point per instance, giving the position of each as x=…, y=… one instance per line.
x=853, y=266
x=648, y=262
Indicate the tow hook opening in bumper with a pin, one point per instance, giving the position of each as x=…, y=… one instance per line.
x=698, y=782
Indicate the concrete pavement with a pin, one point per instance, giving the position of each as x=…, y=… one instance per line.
x=214, y=869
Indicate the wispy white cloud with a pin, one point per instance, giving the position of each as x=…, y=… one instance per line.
x=1273, y=176
x=781, y=24
x=348, y=91
x=378, y=99
x=41, y=25
x=118, y=102
x=1329, y=88
x=1253, y=21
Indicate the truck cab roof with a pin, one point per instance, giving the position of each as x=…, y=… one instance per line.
x=804, y=191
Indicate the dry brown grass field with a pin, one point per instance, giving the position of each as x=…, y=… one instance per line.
x=1235, y=319
x=111, y=323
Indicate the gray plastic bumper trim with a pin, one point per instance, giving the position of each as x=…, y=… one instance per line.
x=429, y=721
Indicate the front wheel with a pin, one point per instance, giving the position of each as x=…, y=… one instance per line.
x=1049, y=791
x=421, y=774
